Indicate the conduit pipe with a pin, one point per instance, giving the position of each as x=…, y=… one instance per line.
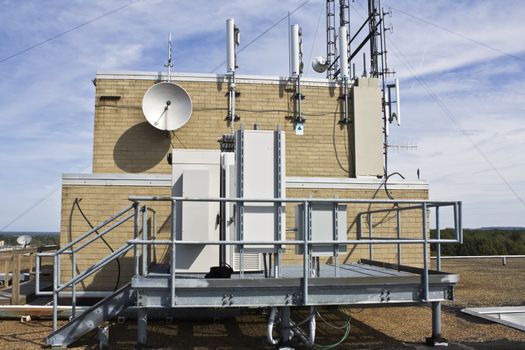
x=269, y=327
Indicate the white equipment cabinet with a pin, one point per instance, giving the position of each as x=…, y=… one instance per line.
x=260, y=173
x=328, y=223
x=196, y=174
x=252, y=261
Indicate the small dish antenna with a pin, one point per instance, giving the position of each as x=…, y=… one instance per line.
x=24, y=240
x=167, y=106
x=319, y=64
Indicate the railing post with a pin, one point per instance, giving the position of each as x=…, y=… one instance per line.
x=37, y=274
x=398, y=230
x=306, y=252
x=136, y=236
x=15, y=285
x=335, y=236
x=460, y=223
x=456, y=220
x=144, y=237
x=173, y=238
x=438, y=245
x=425, y=251
x=369, y=216
x=74, y=286
x=55, y=292
x=6, y=273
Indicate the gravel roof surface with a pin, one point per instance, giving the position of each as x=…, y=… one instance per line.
x=483, y=283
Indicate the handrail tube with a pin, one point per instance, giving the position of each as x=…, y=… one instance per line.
x=480, y=256
x=46, y=254
x=109, y=229
x=96, y=228
x=295, y=242
x=379, y=211
x=285, y=200
x=94, y=268
x=430, y=204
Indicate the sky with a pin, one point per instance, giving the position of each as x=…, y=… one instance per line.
x=461, y=66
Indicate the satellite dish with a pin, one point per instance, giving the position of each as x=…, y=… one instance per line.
x=319, y=64
x=166, y=106
x=24, y=240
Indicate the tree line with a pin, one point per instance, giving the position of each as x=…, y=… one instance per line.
x=484, y=242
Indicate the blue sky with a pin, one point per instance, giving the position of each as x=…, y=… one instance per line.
x=47, y=98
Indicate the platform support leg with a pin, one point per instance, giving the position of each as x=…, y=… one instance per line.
x=285, y=328
x=103, y=337
x=142, y=323
x=436, y=339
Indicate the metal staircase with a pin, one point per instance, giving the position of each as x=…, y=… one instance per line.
x=113, y=304
x=106, y=309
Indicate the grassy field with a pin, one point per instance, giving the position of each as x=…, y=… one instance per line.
x=483, y=283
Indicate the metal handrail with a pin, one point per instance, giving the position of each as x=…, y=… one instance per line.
x=288, y=200
x=103, y=233
x=96, y=267
x=96, y=228
x=307, y=243
x=294, y=242
x=70, y=249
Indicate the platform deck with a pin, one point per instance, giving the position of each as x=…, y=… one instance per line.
x=369, y=282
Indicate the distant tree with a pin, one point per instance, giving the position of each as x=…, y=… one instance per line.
x=483, y=242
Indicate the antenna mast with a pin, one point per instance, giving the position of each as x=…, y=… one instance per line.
x=169, y=65
x=344, y=21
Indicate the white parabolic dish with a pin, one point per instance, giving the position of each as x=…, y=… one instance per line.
x=24, y=240
x=167, y=106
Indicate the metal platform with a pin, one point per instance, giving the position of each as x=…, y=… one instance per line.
x=363, y=283
x=278, y=288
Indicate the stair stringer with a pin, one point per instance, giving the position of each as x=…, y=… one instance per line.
x=93, y=317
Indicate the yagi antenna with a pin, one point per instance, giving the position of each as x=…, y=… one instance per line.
x=169, y=65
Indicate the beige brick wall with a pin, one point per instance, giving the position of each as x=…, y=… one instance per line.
x=125, y=142
x=99, y=202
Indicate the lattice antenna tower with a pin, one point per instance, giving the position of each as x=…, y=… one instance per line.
x=331, y=40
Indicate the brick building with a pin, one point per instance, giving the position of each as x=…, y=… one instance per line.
x=330, y=160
